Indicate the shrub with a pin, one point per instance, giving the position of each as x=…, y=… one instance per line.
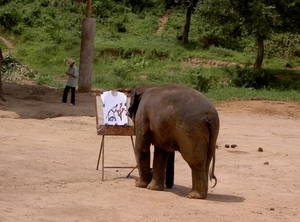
x=121, y=27
x=253, y=78
x=283, y=45
x=200, y=82
x=9, y=17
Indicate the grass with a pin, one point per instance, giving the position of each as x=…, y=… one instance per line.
x=232, y=93
x=128, y=51
x=2, y=46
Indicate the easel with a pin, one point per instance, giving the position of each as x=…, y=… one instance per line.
x=106, y=130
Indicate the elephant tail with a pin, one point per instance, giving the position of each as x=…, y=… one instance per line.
x=212, y=175
x=214, y=126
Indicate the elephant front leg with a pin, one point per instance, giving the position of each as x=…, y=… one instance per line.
x=159, y=167
x=143, y=161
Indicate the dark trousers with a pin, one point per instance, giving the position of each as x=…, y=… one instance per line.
x=65, y=95
x=170, y=170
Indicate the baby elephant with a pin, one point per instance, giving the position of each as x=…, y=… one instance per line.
x=174, y=118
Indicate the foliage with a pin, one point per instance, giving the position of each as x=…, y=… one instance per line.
x=129, y=51
x=12, y=70
x=253, y=78
x=261, y=79
x=225, y=21
x=9, y=16
x=220, y=26
x=283, y=45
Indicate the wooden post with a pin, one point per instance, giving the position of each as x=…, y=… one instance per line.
x=88, y=8
x=87, y=50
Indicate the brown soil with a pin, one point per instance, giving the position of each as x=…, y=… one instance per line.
x=49, y=153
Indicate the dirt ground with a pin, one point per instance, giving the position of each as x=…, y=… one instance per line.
x=49, y=153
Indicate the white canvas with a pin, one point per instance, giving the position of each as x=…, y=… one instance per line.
x=114, y=108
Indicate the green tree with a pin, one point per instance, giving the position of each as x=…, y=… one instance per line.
x=260, y=20
x=257, y=18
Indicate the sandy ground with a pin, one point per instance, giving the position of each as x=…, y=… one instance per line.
x=49, y=153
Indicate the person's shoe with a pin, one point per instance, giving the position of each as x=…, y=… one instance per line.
x=72, y=104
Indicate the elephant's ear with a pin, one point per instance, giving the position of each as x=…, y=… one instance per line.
x=134, y=103
x=136, y=96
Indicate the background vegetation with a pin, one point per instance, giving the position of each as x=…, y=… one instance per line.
x=129, y=51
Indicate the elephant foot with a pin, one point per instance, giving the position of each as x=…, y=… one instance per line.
x=140, y=183
x=196, y=195
x=155, y=186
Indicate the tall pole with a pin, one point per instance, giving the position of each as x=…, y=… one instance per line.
x=88, y=8
x=87, y=50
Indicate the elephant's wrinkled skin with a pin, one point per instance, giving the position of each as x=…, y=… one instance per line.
x=174, y=118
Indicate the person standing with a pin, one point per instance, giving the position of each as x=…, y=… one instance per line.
x=72, y=74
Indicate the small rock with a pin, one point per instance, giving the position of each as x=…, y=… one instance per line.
x=266, y=163
x=272, y=208
x=260, y=149
x=227, y=146
x=233, y=146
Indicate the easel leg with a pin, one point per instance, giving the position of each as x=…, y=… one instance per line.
x=101, y=146
x=128, y=175
x=103, y=158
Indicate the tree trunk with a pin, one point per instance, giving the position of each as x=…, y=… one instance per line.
x=191, y=4
x=1, y=61
x=186, y=29
x=86, y=55
x=260, y=53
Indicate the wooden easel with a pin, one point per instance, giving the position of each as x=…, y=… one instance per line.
x=106, y=130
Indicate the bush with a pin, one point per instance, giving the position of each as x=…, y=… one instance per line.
x=253, y=78
x=200, y=82
x=283, y=45
x=121, y=27
x=288, y=84
x=9, y=17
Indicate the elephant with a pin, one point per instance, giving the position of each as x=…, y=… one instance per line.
x=174, y=118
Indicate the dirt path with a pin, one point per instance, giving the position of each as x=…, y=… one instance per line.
x=8, y=44
x=162, y=21
x=49, y=153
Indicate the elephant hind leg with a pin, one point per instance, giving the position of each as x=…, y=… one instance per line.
x=200, y=184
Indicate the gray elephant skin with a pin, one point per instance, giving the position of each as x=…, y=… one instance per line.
x=174, y=118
